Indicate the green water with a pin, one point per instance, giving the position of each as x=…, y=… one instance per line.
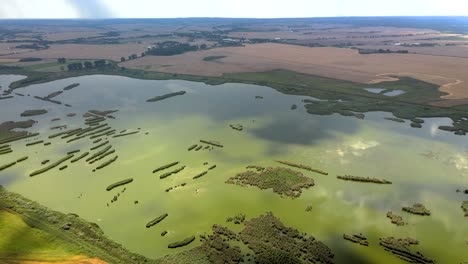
x=425, y=165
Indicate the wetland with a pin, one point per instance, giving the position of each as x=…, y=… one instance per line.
x=283, y=160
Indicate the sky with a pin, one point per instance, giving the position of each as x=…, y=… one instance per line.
x=228, y=8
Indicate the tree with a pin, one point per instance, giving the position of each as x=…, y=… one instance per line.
x=88, y=65
x=100, y=63
x=122, y=59
x=75, y=66
x=61, y=60
x=203, y=46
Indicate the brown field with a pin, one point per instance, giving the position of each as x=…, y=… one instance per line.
x=339, y=63
x=366, y=34
x=76, y=51
x=53, y=36
x=9, y=48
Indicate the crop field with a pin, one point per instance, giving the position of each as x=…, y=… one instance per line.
x=75, y=51
x=344, y=64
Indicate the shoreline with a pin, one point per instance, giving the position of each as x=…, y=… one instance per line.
x=348, y=98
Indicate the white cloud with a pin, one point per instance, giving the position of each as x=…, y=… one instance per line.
x=227, y=8
x=36, y=9
x=356, y=148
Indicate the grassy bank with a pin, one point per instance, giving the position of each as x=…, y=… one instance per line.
x=30, y=229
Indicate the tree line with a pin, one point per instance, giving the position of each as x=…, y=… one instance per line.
x=97, y=64
x=169, y=48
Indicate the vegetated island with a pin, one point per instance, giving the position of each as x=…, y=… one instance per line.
x=363, y=179
x=51, y=166
x=120, y=183
x=167, y=174
x=283, y=181
x=162, y=97
x=417, y=209
x=357, y=238
x=266, y=236
x=156, y=220
x=7, y=129
x=400, y=247
x=213, y=58
x=464, y=207
x=396, y=219
x=300, y=166
x=71, y=86
x=34, y=112
x=237, y=127
x=182, y=243
x=165, y=166
x=212, y=142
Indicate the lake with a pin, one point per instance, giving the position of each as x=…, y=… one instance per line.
x=426, y=165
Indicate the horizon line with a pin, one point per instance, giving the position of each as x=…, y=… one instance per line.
x=259, y=18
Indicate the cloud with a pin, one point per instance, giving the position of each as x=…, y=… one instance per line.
x=90, y=8
x=356, y=148
x=460, y=162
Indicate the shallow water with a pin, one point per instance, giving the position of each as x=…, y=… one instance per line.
x=375, y=90
x=393, y=93
x=426, y=165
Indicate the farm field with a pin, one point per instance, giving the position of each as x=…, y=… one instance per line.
x=337, y=63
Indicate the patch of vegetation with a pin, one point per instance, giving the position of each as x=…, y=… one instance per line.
x=156, y=220
x=7, y=129
x=301, y=166
x=363, y=179
x=165, y=166
x=398, y=120
x=200, y=175
x=265, y=236
x=162, y=97
x=34, y=112
x=272, y=242
x=464, y=207
x=418, y=209
x=120, y=183
x=401, y=248
x=34, y=46
x=357, y=238
x=212, y=143
x=30, y=59
x=182, y=243
x=213, y=58
x=51, y=166
x=396, y=219
x=282, y=180
x=170, y=48
x=381, y=51
x=237, y=219
x=71, y=86
x=97, y=64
